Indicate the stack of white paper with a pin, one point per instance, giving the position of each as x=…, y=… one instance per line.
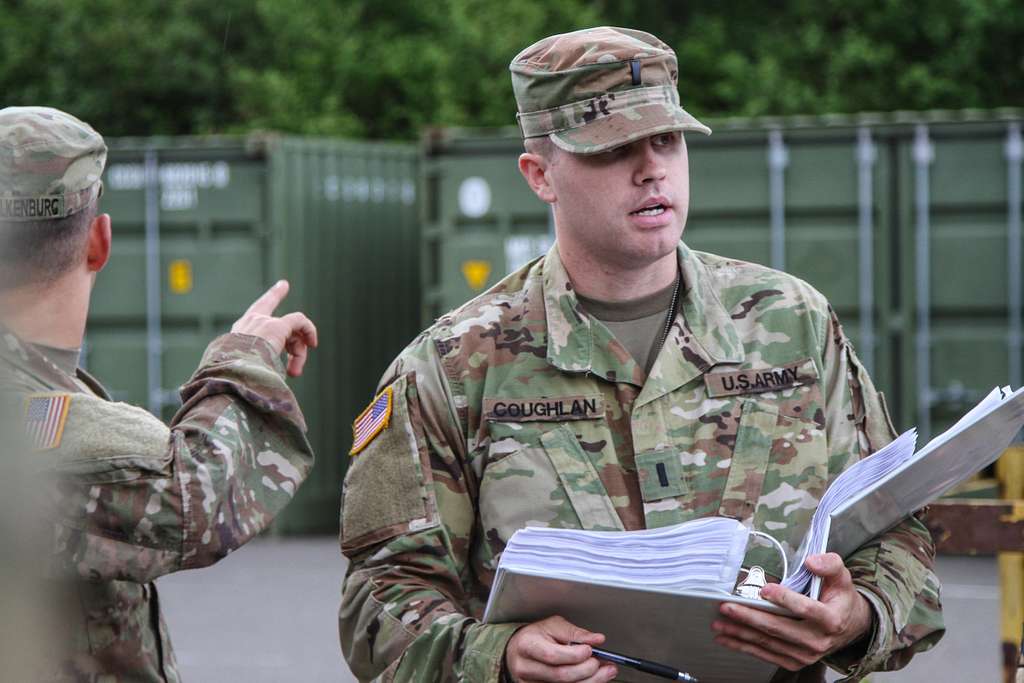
x=878, y=491
x=704, y=553
x=853, y=480
x=655, y=593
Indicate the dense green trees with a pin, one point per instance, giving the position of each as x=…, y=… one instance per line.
x=387, y=68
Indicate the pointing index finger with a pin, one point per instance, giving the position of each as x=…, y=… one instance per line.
x=270, y=299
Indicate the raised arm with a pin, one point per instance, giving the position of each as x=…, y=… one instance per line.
x=138, y=499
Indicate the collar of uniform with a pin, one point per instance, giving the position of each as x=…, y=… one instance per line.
x=575, y=342
x=570, y=337
x=702, y=336
x=32, y=361
x=93, y=384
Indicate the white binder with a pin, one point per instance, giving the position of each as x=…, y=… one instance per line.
x=604, y=581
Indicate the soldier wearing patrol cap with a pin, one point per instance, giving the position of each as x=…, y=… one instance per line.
x=132, y=499
x=623, y=381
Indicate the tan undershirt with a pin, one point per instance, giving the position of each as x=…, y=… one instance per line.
x=638, y=324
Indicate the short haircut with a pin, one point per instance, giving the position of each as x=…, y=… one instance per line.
x=39, y=252
x=541, y=146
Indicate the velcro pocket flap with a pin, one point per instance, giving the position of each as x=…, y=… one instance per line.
x=580, y=479
x=111, y=442
x=750, y=459
x=388, y=488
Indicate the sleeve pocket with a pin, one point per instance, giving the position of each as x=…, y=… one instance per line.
x=106, y=442
x=388, y=489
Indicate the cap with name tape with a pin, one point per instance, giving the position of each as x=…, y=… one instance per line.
x=599, y=88
x=50, y=164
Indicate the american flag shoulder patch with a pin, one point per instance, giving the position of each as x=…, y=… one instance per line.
x=45, y=415
x=371, y=421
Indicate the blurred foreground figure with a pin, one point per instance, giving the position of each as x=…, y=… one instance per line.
x=622, y=381
x=128, y=500
x=30, y=611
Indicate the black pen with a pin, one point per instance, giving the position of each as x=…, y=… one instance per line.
x=654, y=668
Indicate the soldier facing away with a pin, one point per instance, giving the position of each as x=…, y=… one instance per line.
x=612, y=385
x=132, y=499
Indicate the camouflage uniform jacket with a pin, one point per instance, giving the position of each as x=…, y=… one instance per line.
x=517, y=409
x=135, y=500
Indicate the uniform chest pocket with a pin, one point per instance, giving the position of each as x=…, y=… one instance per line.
x=779, y=471
x=546, y=480
x=759, y=458
x=795, y=478
x=730, y=480
x=751, y=455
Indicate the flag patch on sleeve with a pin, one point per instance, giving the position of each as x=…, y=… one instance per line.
x=371, y=421
x=45, y=416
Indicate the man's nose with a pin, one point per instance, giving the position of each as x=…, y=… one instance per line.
x=650, y=166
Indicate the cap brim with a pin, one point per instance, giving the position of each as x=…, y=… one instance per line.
x=608, y=132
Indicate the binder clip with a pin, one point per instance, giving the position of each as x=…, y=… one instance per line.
x=751, y=586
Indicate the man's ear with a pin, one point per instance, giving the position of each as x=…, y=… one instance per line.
x=98, y=247
x=534, y=168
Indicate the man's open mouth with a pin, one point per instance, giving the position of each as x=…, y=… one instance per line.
x=655, y=210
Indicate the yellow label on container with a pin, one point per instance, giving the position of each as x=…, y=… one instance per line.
x=476, y=273
x=179, y=276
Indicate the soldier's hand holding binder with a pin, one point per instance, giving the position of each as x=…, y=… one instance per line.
x=840, y=617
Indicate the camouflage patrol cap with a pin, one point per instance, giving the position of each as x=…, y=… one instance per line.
x=50, y=164
x=598, y=88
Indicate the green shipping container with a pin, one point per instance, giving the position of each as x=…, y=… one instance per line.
x=480, y=219
x=959, y=217
x=203, y=225
x=829, y=199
